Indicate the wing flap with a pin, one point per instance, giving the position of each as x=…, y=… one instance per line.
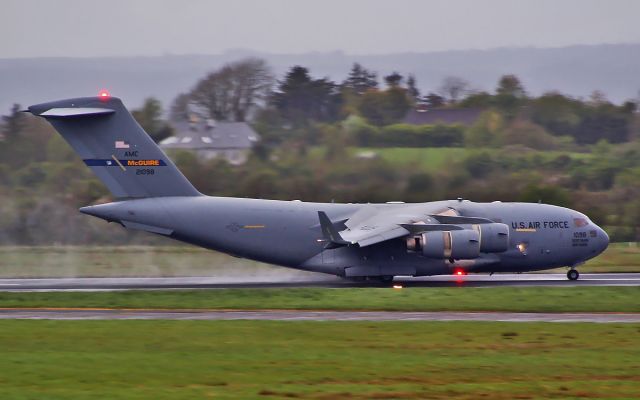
x=377, y=235
x=460, y=220
x=419, y=228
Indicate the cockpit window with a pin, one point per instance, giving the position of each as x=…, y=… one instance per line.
x=580, y=222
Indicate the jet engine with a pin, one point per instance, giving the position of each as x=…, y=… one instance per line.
x=463, y=243
x=494, y=238
x=460, y=244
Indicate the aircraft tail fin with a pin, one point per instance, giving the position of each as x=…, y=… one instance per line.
x=110, y=141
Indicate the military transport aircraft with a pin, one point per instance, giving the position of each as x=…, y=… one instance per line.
x=359, y=241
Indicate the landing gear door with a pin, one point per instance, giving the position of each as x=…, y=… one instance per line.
x=328, y=256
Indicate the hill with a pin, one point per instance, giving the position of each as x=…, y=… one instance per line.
x=575, y=70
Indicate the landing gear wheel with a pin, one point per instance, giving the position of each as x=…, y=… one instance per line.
x=386, y=278
x=573, y=275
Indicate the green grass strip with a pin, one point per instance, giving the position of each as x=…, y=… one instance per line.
x=517, y=299
x=318, y=360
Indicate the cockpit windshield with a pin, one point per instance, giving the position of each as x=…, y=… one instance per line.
x=580, y=222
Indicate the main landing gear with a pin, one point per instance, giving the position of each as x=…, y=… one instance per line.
x=573, y=274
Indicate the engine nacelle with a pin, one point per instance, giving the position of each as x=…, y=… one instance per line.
x=460, y=244
x=494, y=238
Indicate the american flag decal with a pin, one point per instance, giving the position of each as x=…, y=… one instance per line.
x=121, y=144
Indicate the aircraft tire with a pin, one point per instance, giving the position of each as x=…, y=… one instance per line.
x=573, y=275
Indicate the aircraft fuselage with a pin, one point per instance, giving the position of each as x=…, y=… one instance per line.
x=288, y=233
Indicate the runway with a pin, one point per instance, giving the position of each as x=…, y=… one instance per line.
x=99, y=284
x=295, y=315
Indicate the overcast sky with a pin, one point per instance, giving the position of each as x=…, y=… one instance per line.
x=30, y=28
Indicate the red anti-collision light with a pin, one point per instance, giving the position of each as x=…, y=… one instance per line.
x=459, y=272
x=104, y=94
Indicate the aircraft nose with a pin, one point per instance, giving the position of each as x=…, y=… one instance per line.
x=602, y=240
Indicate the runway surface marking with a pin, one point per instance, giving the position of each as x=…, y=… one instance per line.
x=300, y=315
x=212, y=282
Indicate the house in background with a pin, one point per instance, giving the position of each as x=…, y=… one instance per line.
x=212, y=139
x=445, y=116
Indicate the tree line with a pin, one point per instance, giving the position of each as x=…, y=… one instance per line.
x=327, y=141
x=288, y=108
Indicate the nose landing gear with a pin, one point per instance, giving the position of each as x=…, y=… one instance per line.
x=573, y=274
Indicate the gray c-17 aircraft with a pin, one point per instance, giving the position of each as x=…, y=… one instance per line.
x=358, y=241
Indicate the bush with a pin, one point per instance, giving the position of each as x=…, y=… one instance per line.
x=405, y=135
x=479, y=165
x=531, y=135
x=360, y=132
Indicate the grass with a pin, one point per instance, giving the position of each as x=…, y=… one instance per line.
x=516, y=299
x=317, y=360
x=125, y=261
x=432, y=159
x=427, y=159
x=619, y=257
x=150, y=261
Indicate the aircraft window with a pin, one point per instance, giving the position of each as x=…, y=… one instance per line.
x=580, y=222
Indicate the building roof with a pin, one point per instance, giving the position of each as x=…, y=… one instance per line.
x=447, y=116
x=209, y=134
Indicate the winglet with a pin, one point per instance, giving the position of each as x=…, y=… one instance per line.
x=329, y=230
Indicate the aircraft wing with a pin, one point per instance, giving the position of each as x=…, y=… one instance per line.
x=374, y=224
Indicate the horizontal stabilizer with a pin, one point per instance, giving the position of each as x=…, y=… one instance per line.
x=75, y=112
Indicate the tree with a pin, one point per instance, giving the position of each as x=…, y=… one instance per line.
x=597, y=98
x=385, y=107
x=150, y=118
x=412, y=89
x=434, y=100
x=300, y=98
x=233, y=91
x=477, y=100
x=510, y=95
x=13, y=123
x=394, y=80
x=485, y=131
x=546, y=194
x=629, y=107
x=510, y=85
x=558, y=114
x=603, y=122
x=180, y=108
x=360, y=79
x=453, y=88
